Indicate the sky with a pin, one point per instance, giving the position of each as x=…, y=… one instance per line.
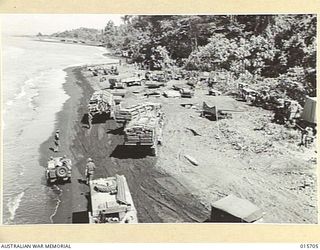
x=32, y=24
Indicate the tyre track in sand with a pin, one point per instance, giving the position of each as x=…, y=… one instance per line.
x=154, y=202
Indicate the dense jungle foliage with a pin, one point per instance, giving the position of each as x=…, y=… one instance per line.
x=253, y=47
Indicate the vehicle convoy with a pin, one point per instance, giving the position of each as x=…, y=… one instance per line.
x=58, y=170
x=111, y=201
x=101, y=102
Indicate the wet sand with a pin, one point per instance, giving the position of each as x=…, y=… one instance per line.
x=158, y=197
x=65, y=121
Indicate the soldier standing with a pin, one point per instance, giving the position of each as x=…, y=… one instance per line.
x=57, y=140
x=307, y=136
x=90, y=168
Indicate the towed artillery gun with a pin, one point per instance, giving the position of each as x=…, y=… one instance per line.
x=58, y=170
x=101, y=102
x=111, y=201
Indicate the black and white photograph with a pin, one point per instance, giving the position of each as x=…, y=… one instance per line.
x=111, y=118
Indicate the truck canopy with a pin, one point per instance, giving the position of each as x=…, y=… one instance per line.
x=309, y=110
x=239, y=210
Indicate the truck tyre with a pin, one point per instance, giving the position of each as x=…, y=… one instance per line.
x=154, y=151
x=62, y=171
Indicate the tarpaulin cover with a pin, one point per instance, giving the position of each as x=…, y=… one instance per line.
x=238, y=207
x=309, y=110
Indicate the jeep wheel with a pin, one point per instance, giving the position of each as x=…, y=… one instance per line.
x=62, y=171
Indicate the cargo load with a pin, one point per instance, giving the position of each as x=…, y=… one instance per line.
x=100, y=102
x=125, y=114
x=111, y=201
x=143, y=125
x=145, y=131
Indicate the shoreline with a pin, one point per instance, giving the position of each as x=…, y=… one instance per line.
x=65, y=120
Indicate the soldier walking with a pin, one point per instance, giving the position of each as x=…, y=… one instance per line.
x=90, y=169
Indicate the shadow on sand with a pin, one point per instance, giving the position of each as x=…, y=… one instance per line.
x=130, y=152
x=97, y=119
x=117, y=131
x=82, y=217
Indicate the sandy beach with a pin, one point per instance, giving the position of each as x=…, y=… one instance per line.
x=99, y=143
x=168, y=188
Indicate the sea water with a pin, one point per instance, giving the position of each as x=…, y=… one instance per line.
x=32, y=93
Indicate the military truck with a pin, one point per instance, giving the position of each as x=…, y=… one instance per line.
x=101, y=102
x=186, y=93
x=154, y=84
x=58, y=170
x=134, y=81
x=287, y=111
x=111, y=201
x=145, y=131
x=116, y=83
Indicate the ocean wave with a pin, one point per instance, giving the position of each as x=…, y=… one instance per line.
x=21, y=94
x=35, y=80
x=57, y=204
x=14, y=203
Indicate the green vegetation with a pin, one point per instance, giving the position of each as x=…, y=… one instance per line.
x=253, y=48
x=84, y=34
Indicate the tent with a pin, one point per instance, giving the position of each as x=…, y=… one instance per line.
x=309, y=110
